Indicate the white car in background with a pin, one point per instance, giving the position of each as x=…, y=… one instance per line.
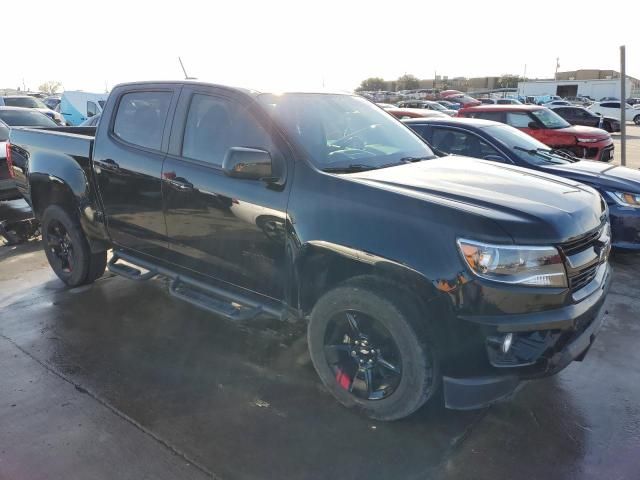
x=25, y=101
x=612, y=109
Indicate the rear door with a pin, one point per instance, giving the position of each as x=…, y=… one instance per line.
x=130, y=147
x=229, y=229
x=464, y=143
x=610, y=109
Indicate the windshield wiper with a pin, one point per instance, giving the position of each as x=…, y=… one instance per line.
x=415, y=159
x=354, y=167
x=566, y=155
x=360, y=167
x=546, y=155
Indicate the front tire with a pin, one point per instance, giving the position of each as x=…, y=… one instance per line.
x=636, y=119
x=67, y=248
x=370, y=351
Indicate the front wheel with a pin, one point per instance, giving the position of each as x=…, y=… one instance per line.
x=369, y=350
x=68, y=250
x=636, y=119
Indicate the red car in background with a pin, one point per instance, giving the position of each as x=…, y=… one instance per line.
x=460, y=98
x=549, y=128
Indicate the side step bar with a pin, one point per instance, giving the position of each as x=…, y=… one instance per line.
x=228, y=310
x=127, y=271
x=230, y=305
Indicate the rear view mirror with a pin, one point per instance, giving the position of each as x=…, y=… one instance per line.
x=533, y=126
x=247, y=163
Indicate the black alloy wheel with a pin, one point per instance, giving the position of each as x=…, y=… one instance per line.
x=372, y=346
x=61, y=246
x=67, y=248
x=363, y=356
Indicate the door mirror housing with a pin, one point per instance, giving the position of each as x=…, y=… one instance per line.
x=248, y=163
x=533, y=126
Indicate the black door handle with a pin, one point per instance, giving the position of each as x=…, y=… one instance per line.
x=181, y=184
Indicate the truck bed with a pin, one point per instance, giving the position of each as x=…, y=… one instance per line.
x=48, y=151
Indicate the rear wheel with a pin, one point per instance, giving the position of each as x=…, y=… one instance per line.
x=369, y=351
x=636, y=119
x=68, y=250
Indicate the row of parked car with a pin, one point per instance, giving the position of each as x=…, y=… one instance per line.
x=446, y=256
x=560, y=140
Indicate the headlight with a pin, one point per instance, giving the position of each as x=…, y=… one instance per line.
x=626, y=199
x=587, y=140
x=537, y=266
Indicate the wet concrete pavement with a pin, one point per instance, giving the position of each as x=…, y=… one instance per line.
x=163, y=390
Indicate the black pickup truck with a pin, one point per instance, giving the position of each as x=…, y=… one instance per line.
x=416, y=275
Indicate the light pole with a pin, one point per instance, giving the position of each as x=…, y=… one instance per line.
x=623, y=105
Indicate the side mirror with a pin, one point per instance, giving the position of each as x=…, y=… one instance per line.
x=533, y=126
x=247, y=163
x=90, y=114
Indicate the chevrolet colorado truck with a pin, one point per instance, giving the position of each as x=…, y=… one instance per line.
x=416, y=275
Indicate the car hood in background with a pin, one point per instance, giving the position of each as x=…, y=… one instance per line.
x=583, y=131
x=600, y=175
x=533, y=207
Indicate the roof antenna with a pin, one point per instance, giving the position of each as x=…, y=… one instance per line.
x=186, y=77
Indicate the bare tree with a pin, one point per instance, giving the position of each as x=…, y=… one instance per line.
x=51, y=87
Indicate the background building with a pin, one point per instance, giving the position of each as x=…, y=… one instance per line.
x=593, y=83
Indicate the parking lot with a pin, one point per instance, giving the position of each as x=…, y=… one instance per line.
x=633, y=146
x=117, y=380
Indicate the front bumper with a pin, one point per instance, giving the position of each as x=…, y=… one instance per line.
x=625, y=227
x=568, y=332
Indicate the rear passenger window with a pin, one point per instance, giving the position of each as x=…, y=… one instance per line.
x=141, y=117
x=214, y=124
x=518, y=119
x=495, y=116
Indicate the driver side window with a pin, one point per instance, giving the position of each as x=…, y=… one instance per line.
x=214, y=124
x=463, y=143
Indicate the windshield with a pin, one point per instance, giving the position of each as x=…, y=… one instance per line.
x=537, y=153
x=436, y=106
x=343, y=131
x=25, y=102
x=550, y=119
x=25, y=118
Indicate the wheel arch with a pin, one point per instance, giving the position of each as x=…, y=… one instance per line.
x=48, y=189
x=323, y=266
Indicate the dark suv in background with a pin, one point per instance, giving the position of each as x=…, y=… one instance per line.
x=581, y=116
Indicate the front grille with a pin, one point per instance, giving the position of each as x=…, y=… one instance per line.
x=606, y=154
x=583, y=278
x=580, y=244
x=583, y=256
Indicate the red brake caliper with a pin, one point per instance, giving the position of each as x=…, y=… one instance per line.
x=343, y=379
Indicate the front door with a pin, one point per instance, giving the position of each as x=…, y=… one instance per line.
x=227, y=228
x=128, y=160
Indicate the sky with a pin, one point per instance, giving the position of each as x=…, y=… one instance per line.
x=276, y=45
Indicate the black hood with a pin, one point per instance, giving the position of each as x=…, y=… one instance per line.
x=532, y=207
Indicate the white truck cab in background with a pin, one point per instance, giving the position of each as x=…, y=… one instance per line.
x=77, y=106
